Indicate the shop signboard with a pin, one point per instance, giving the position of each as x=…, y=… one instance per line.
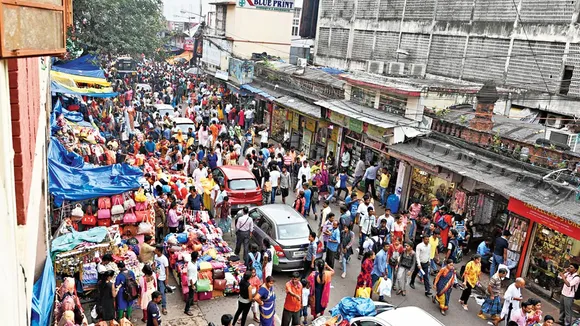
x=355, y=125
x=400, y=179
x=545, y=218
x=310, y=124
x=338, y=118
x=223, y=75
x=241, y=70
x=375, y=132
x=296, y=122
x=276, y=5
x=334, y=134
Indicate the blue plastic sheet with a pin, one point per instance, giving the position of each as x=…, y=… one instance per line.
x=43, y=293
x=351, y=307
x=69, y=178
x=55, y=87
x=70, y=240
x=86, y=65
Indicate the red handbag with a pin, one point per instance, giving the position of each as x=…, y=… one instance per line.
x=104, y=203
x=104, y=222
x=142, y=216
x=118, y=199
x=219, y=285
x=201, y=296
x=89, y=218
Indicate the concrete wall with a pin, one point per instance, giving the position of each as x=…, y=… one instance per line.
x=257, y=31
x=469, y=39
x=23, y=200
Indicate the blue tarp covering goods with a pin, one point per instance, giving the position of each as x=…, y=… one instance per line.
x=351, y=307
x=71, y=179
x=84, y=66
x=43, y=296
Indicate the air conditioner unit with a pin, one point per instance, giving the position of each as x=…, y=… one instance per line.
x=302, y=62
x=554, y=121
x=396, y=68
x=565, y=138
x=375, y=67
x=418, y=70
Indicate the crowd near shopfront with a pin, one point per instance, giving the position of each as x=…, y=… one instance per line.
x=140, y=176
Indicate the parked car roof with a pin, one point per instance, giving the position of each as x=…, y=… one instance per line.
x=408, y=316
x=282, y=214
x=237, y=172
x=180, y=120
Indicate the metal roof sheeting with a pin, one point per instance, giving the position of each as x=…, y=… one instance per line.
x=365, y=114
x=300, y=106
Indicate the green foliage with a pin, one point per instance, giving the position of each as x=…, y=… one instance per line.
x=118, y=27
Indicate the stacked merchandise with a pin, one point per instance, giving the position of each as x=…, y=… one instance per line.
x=219, y=269
x=67, y=308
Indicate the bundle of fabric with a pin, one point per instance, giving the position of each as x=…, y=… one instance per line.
x=350, y=307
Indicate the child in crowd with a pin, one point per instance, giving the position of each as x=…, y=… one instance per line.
x=305, y=296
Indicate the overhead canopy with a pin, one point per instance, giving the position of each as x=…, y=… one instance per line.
x=56, y=87
x=185, y=56
x=258, y=91
x=64, y=78
x=71, y=179
x=84, y=66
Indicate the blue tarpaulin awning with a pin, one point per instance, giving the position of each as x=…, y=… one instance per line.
x=43, y=293
x=83, y=66
x=69, y=178
x=258, y=91
x=56, y=87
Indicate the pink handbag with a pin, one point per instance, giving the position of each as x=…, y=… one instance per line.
x=117, y=199
x=129, y=217
x=103, y=214
x=141, y=206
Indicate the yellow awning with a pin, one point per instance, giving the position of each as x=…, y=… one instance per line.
x=86, y=89
x=186, y=55
x=65, y=78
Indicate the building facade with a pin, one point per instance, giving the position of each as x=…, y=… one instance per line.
x=528, y=44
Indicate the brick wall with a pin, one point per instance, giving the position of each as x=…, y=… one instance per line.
x=25, y=107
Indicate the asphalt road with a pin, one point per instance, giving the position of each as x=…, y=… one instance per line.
x=215, y=308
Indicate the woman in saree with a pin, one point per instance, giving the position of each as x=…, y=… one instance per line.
x=444, y=285
x=320, y=280
x=364, y=278
x=266, y=299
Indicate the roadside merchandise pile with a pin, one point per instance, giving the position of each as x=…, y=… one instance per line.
x=219, y=269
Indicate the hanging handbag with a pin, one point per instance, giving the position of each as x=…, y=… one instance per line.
x=117, y=199
x=117, y=208
x=117, y=219
x=89, y=219
x=142, y=216
x=104, y=214
x=129, y=203
x=129, y=217
x=104, y=203
x=140, y=196
x=106, y=223
x=77, y=212
x=141, y=206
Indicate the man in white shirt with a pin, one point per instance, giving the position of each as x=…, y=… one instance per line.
x=304, y=170
x=191, y=279
x=422, y=254
x=279, y=150
x=513, y=296
x=249, y=114
x=365, y=221
x=103, y=266
x=162, y=270
x=221, y=194
x=274, y=181
x=244, y=227
x=263, y=138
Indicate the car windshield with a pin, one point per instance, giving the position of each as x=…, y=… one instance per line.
x=293, y=231
x=185, y=127
x=242, y=184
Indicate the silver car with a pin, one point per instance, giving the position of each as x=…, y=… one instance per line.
x=287, y=231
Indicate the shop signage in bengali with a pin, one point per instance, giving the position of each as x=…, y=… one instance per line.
x=375, y=132
x=276, y=5
x=310, y=125
x=338, y=118
x=296, y=122
x=355, y=125
x=334, y=134
x=545, y=218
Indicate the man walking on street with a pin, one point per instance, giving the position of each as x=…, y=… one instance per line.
x=284, y=183
x=359, y=172
x=191, y=279
x=422, y=252
x=293, y=302
x=162, y=270
x=310, y=254
x=500, y=251
x=365, y=222
x=571, y=280
x=332, y=244
x=380, y=266
x=244, y=227
x=274, y=182
x=370, y=176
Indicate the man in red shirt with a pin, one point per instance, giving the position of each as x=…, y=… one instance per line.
x=293, y=302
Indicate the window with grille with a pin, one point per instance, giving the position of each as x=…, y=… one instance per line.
x=363, y=96
x=220, y=21
x=296, y=21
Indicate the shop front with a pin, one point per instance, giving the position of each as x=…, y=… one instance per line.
x=280, y=122
x=302, y=120
x=550, y=243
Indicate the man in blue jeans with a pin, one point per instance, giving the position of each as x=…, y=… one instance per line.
x=162, y=269
x=500, y=251
x=380, y=266
x=422, y=253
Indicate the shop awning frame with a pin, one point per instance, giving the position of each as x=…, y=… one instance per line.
x=63, y=77
x=365, y=114
x=509, y=179
x=258, y=91
x=299, y=106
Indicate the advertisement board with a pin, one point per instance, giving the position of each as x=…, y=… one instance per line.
x=277, y=5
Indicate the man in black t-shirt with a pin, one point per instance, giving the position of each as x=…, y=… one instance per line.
x=500, y=251
x=153, y=315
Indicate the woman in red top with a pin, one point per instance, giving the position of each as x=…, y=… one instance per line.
x=364, y=278
x=393, y=255
x=399, y=229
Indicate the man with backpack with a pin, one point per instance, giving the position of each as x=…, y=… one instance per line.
x=128, y=292
x=453, y=247
x=570, y=292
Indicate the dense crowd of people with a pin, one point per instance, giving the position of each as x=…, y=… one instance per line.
x=225, y=133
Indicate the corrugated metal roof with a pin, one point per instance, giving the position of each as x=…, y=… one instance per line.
x=365, y=114
x=299, y=105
